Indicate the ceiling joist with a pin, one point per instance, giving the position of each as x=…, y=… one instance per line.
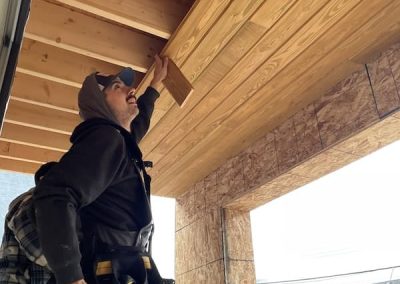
x=82, y=34
x=42, y=117
x=35, y=137
x=43, y=92
x=28, y=153
x=18, y=166
x=157, y=17
x=58, y=65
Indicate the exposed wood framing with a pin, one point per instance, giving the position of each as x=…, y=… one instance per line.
x=157, y=17
x=92, y=37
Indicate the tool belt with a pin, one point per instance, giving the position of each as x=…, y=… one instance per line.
x=129, y=262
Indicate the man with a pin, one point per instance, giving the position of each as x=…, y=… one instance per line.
x=92, y=208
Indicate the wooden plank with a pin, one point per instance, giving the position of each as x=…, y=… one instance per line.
x=41, y=117
x=58, y=65
x=240, y=44
x=223, y=30
x=236, y=14
x=290, y=20
x=79, y=33
x=191, y=31
x=177, y=84
x=385, y=22
x=34, y=137
x=157, y=17
x=302, y=39
x=18, y=166
x=28, y=153
x=46, y=93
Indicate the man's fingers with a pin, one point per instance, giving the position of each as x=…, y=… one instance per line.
x=165, y=62
x=158, y=60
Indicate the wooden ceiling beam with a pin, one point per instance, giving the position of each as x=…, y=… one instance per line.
x=36, y=90
x=28, y=153
x=157, y=17
x=41, y=117
x=29, y=136
x=18, y=166
x=58, y=65
x=370, y=30
x=82, y=34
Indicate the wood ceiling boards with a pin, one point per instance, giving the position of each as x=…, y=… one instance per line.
x=252, y=64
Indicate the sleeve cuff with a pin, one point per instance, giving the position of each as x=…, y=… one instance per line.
x=68, y=274
x=153, y=91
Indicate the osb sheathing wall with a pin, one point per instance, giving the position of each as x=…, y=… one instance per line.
x=354, y=118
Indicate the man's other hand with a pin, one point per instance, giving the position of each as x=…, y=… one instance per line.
x=160, y=72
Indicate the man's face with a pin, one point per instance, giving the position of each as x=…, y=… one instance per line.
x=122, y=101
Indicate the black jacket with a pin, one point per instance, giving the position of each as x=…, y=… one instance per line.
x=98, y=178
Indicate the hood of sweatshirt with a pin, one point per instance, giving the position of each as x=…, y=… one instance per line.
x=92, y=101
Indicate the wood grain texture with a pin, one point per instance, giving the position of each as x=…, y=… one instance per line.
x=177, y=85
x=156, y=17
x=383, y=85
x=55, y=64
x=240, y=271
x=230, y=179
x=47, y=93
x=347, y=107
x=394, y=61
x=308, y=140
x=357, y=41
x=184, y=209
x=260, y=161
x=214, y=249
x=18, y=151
x=82, y=34
x=238, y=242
x=242, y=94
x=18, y=166
x=236, y=14
x=213, y=271
x=38, y=117
x=34, y=137
x=196, y=24
x=211, y=194
x=373, y=138
x=286, y=145
x=215, y=86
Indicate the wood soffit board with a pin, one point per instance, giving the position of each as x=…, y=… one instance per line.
x=252, y=63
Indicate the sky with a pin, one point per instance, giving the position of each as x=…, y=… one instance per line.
x=344, y=222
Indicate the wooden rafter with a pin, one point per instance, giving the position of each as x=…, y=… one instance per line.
x=58, y=65
x=82, y=34
x=35, y=137
x=157, y=17
x=28, y=153
x=36, y=90
x=42, y=117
